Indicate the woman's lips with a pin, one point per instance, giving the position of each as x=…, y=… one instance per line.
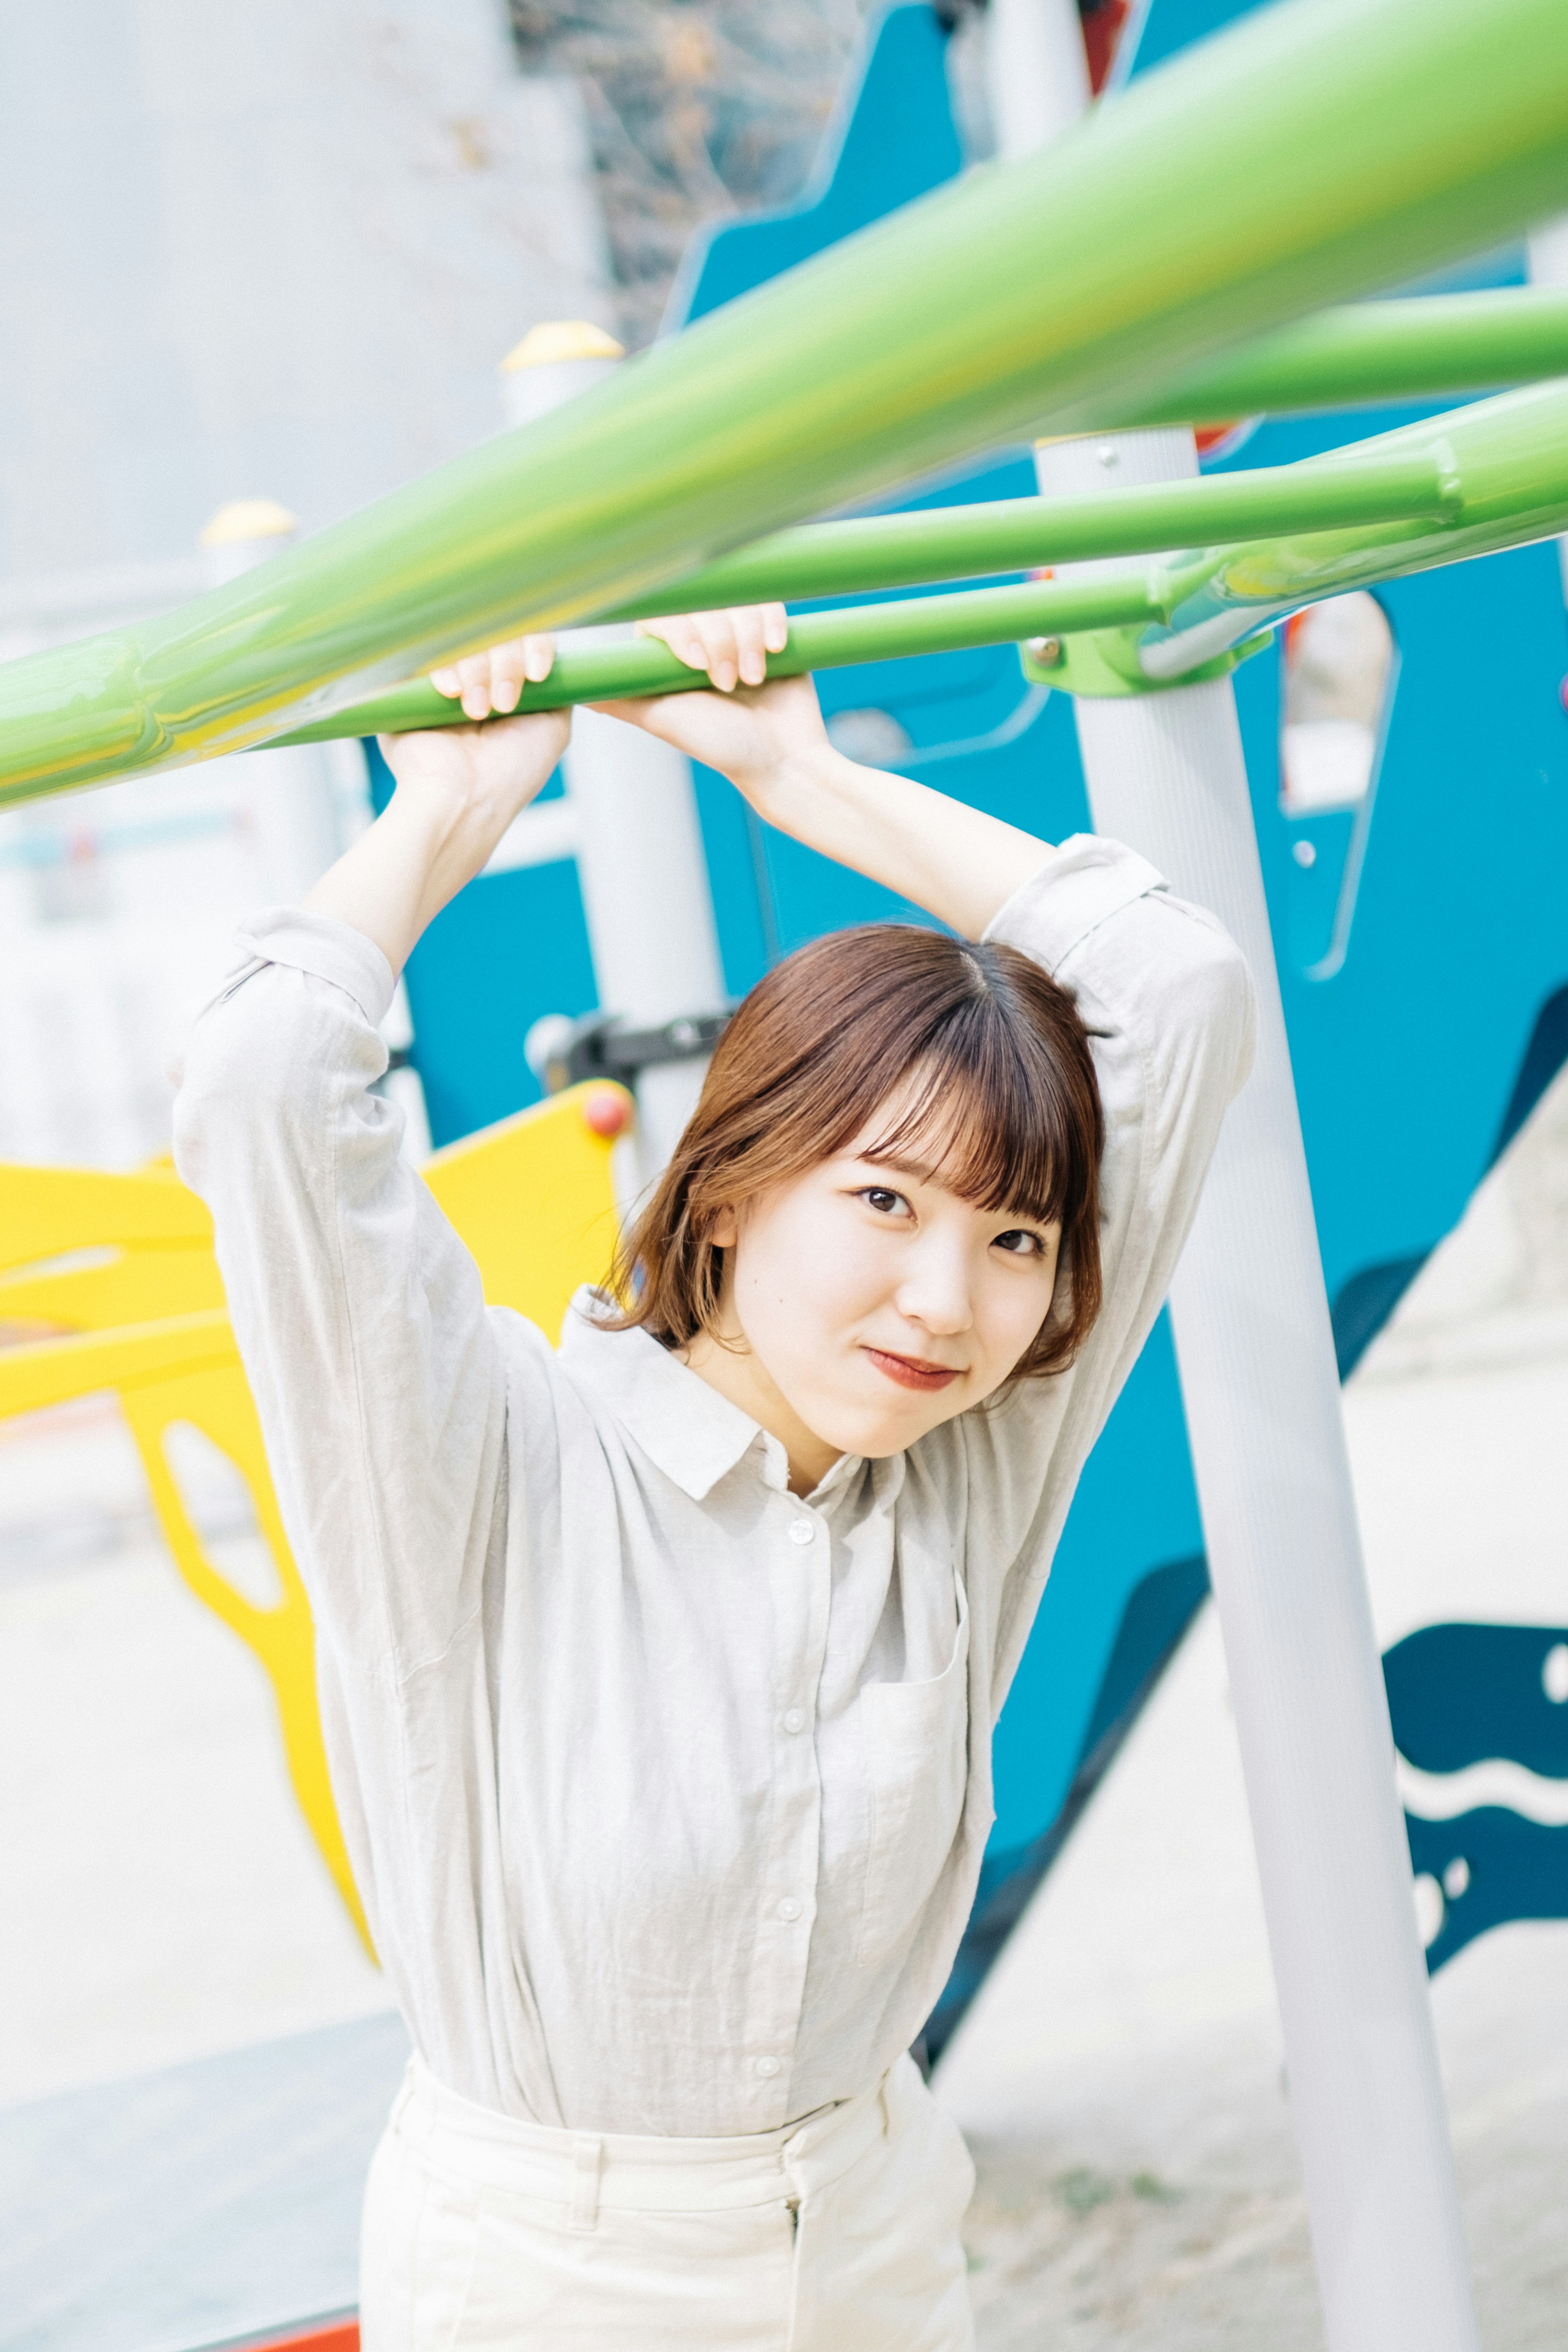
x=912, y=1371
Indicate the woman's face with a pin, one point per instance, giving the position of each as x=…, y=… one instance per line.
x=874, y=1302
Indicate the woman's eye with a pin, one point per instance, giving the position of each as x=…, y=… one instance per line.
x=877, y=1197
x=1020, y=1244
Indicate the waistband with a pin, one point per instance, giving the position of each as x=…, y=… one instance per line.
x=586, y=2170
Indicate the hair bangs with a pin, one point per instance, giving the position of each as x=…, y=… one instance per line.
x=970, y=1115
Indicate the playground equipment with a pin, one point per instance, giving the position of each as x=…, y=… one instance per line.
x=125, y=1265
x=1461, y=114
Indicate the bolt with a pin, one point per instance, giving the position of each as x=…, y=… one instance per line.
x=1047, y=653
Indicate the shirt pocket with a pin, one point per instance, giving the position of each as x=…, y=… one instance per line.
x=917, y=1757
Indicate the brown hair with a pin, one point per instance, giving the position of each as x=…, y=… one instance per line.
x=1002, y=1091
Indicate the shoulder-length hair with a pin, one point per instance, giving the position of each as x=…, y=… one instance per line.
x=970, y=1057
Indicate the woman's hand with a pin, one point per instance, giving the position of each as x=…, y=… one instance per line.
x=494, y=679
x=732, y=646
x=458, y=788
x=959, y=863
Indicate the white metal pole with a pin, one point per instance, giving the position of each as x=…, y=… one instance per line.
x=1166, y=773
x=1037, y=72
x=640, y=861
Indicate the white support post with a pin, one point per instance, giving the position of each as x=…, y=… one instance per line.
x=1037, y=72
x=639, y=844
x=1165, y=773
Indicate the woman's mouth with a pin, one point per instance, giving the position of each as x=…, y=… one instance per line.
x=912, y=1371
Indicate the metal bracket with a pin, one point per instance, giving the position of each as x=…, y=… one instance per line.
x=597, y=1046
x=1102, y=663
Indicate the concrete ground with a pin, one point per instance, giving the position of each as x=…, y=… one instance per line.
x=1121, y=2075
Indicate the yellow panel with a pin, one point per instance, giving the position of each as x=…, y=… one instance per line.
x=45, y=1212
x=533, y=1200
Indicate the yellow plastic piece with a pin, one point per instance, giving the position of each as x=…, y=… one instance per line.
x=143, y=1317
x=245, y=519
x=561, y=339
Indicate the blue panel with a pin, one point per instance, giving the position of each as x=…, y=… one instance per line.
x=895, y=140
x=1513, y=1869
x=1460, y=1695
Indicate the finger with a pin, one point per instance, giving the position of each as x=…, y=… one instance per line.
x=748, y=626
x=474, y=684
x=538, y=657
x=776, y=627
x=681, y=633
x=721, y=654
x=447, y=681
x=509, y=669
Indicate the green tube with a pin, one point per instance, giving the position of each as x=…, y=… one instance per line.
x=1427, y=347
x=859, y=633
x=841, y=559
x=1315, y=151
x=1509, y=458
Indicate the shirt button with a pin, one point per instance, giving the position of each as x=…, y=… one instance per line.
x=801, y=1531
x=789, y=1909
x=794, y=1720
x=767, y=2065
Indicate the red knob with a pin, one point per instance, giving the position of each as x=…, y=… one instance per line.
x=606, y=1112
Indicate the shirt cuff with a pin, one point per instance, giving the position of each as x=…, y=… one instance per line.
x=1081, y=886
x=326, y=949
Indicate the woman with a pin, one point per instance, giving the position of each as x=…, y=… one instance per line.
x=658, y=1675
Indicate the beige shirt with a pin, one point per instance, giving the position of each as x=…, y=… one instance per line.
x=665, y=1790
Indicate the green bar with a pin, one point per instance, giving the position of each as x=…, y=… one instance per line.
x=1315, y=151
x=919, y=625
x=841, y=559
x=1430, y=346
x=1509, y=457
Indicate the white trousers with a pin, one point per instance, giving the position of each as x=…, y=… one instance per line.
x=836, y=2234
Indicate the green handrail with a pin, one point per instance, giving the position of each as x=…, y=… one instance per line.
x=1495, y=475
x=856, y=633
x=1427, y=347
x=1508, y=457
x=901, y=550
x=1317, y=150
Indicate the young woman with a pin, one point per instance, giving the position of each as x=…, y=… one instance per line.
x=658, y=1675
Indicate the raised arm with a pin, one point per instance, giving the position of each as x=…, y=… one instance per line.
x=956, y=862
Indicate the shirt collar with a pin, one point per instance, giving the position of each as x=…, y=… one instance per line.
x=687, y=1429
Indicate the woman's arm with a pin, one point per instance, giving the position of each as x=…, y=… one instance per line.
x=458, y=788
x=956, y=862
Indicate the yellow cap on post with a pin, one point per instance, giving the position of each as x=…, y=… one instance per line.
x=246, y=519
x=561, y=339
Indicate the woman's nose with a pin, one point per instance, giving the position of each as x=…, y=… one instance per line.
x=934, y=1292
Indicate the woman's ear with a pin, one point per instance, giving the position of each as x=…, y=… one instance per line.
x=724, y=1230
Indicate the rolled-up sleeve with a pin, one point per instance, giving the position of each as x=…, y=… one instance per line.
x=359, y=1314
x=1167, y=1000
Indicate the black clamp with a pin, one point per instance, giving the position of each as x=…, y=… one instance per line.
x=598, y=1046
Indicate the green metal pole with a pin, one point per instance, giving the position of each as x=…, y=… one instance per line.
x=1496, y=477
x=859, y=633
x=1427, y=347
x=1317, y=150
x=899, y=551
x=1508, y=461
